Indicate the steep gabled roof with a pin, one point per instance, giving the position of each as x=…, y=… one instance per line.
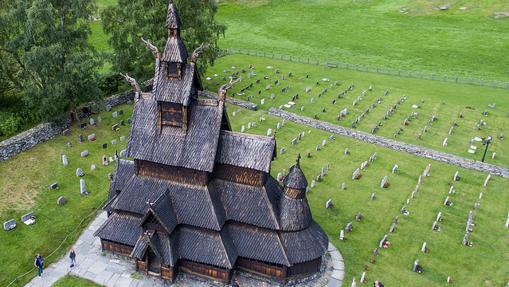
x=159, y=243
x=205, y=246
x=249, y=204
x=162, y=210
x=194, y=148
x=294, y=213
x=305, y=245
x=243, y=150
x=180, y=91
x=122, y=228
x=175, y=51
x=257, y=243
x=296, y=178
x=172, y=17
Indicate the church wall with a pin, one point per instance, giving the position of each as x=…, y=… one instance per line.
x=305, y=268
x=239, y=174
x=178, y=174
x=204, y=270
x=116, y=247
x=261, y=268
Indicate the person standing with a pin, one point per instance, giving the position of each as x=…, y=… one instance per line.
x=38, y=262
x=72, y=256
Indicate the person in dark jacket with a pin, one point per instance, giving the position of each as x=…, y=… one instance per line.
x=72, y=256
x=38, y=262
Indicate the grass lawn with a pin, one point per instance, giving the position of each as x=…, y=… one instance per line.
x=24, y=186
x=485, y=264
x=29, y=175
x=413, y=35
x=445, y=100
x=71, y=281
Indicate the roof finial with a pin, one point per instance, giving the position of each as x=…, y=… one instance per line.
x=298, y=160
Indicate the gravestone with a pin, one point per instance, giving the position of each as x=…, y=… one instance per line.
x=424, y=249
x=364, y=164
x=114, y=115
x=435, y=226
x=322, y=172
x=447, y=202
x=313, y=183
x=317, y=148
x=415, y=265
x=92, y=121
x=91, y=137
x=394, y=168
x=449, y=280
x=104, y=145
x=10, y=224
x=278, y=125
x=444, y=143
x=249, y=125
x=54, y=186
x=439, y=216
x=69, y=144
x=324, y=142
x=108, y=107
x=373, y=196
x=114, y=142
x=493, y=155
x=115, y=127
x=83, y=189
x=342, y=234
x=318, y=178
x=242, y=129
x=356, y=174
x=343, y=186
x=487, y=180
x=269, y=132
x=507, y=221
x=105, y=160
x=452, y=190
x=65, y=161
x=427, y=170
x=392, y=227
x=93, y=167
x=354, y=284
x=61, y=200
x=28, y=218
x=82, y=139
x=381, y=243
x=385, y=182
x=363, y=277
x=294, y=141
x=122, y=138
x=329, y=203
x=456, y=176
x=66, y=132
x=79, y=172
x=111, y=176
x=375, y=252
x=359, y=216
x=282, y=151
x=84, y=153
x=349, y=227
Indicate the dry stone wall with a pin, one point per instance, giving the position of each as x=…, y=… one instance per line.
x=392, y=144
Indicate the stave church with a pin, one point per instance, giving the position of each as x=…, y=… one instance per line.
x=199, y=198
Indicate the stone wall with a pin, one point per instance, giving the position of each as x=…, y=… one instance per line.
x=392, y=144
x=43, y=132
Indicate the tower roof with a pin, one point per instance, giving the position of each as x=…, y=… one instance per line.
x=172, y=18
x=296, y=178
x=175, y=51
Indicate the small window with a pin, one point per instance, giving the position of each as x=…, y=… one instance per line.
x=173, y=70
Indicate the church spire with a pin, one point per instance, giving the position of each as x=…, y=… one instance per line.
x=175, y=54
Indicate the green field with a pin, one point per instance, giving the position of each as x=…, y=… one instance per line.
x=444, y=100
x=485, y=264
x=29, y=174
x=71, y=281
x=402, y=34
x=24, y=186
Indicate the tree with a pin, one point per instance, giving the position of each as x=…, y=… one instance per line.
x=130, y=20
x=55, y=65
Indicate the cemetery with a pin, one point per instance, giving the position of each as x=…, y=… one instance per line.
x=442, y=116
x=388, y=214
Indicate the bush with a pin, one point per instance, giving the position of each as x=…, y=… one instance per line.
x=10, y=123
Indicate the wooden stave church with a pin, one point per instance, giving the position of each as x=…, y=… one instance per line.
x=199, y=198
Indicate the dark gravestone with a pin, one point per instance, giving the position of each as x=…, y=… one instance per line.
x=115, y=127
x=66, y=132
x=121, y=122
x=61, y=201
x=104, y=145
x=82, y=139
x=121, y=112
x=83, y=126
x=54, y=185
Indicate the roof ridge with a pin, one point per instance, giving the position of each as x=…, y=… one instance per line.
x=245, y=135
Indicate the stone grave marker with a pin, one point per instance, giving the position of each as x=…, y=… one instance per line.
x=83, y=188
x=105, y=160
x=122, y=138
x=447, y=202
x=92, y=121
x=435, y=226
x=356, y=174
x=54, y=186
x=359, y=216
x=91, y=137
x=381, y=243
x=485, y=184
x=61, y=200
x=456, y=176
x=342, y=234
x=364, y=164
x=114, y=115
x=84, y=153
x=82, y=139
x=392, y=227
x=313, y=183
x=427, y=170
x=93, y=167
x=324, y=142
x=79, y=172
x=269, y=132
x=394, y=168
x=363, y=277
x=415, y=266
x=65, y=161
x=444, y=143
x=373, y=196
x=282, y=151
x=10, y=224
x=115, y=127
x=28, y=218
x=66, y=132
x=349, y=227
x=114, y=142
x=385, y=182
x=452, y=190
x=424, y=249
x=343, y=186
x=329, y=203
x=69, y=144
x=375, y=252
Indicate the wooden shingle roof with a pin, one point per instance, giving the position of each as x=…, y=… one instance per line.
x=296, y=178
x=122, y=228
x=180, y=91
x=294, y=213
x=305, y=245
x=175, y=51
x=172, y=17
x=194, y=148
x=243, y=150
